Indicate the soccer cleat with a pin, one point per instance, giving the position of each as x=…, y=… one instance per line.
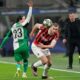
x=34, y=70
x=47, y=78
x=18, y=73
x=44, y=77
x=24, y=75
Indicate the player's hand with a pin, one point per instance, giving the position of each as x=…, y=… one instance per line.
x=40, y=45
x=31, y=35
x=30, y=3
x=64, y=41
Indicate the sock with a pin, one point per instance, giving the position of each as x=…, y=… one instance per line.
x=25, y=66
x=18, y=66
x=38, y=63
x=46, y=68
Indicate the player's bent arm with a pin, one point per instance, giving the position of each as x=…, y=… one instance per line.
x=28, y=17
x=5, y=39
x=52, y=45
x=35, y=28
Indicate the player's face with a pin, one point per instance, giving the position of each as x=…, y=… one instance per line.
x=53, y=29
x=23, y=19
x=72, y=17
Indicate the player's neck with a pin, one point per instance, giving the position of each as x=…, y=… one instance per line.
x=49, y=32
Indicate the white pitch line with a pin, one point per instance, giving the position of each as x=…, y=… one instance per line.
x=64, y=70
x=5, y=62
x=42, y=67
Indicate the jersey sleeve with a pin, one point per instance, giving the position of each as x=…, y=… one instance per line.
x=5, y=39
x=57, y=36
x=53, y=42
x=40, y=26
x=28, y=17
x=55, y=39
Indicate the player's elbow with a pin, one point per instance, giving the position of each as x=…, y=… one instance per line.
x=51, y=46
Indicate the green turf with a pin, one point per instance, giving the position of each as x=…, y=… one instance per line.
x=7, y=71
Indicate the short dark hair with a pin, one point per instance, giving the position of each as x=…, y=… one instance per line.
x=56, y=24
x=18, y=18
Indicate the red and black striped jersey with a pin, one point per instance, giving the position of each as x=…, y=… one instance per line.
x=43, y=36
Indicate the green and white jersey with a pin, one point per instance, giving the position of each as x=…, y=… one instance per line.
x=19, y=34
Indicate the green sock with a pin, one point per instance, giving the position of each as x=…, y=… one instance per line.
x=25, y=65
x=18, y=66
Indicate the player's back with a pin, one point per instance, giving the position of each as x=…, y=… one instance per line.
x=19, y=34
x=43, y=37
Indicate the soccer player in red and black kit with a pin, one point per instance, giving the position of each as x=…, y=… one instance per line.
x=46, y=38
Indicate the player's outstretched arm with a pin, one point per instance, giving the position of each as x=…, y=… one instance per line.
x=34, y=29
x=30, y=4
x=5, y=39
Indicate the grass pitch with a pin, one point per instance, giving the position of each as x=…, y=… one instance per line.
x=58, y=70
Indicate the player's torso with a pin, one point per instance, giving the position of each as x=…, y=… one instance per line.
x=19, y=35
x=44, y=37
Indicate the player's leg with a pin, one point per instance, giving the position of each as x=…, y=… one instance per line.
x=18, y=59
x=25, y=67
x=18, y=72
x=78, y=45
x=42, y=61
x=71, y=51
x=25, y=57
x=40, y=55
x=48, y=65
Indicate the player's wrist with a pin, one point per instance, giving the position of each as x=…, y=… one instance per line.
x=30, y=3
x=30, y=7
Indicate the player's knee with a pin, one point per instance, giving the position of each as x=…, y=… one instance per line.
x=25, y=60
x=19, y=62
x=45, y=62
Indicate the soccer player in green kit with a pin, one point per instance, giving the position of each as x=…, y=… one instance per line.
x=20, y=41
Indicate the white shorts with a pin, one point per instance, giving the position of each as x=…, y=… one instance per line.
x=39, y=52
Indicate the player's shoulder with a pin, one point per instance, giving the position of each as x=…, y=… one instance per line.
x=57, y=35
x=13, y=26
x=38, y=24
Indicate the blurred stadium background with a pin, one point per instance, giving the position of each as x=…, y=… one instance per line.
x=54, y=9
